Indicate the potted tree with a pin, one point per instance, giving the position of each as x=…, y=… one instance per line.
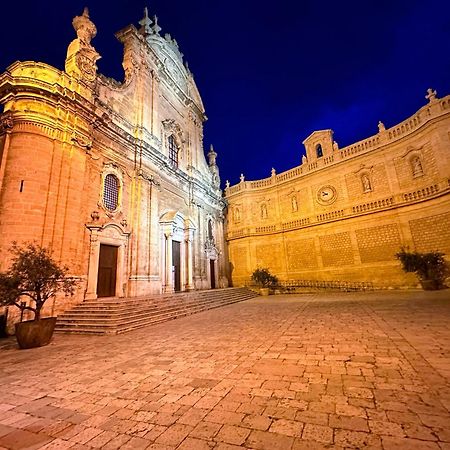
x=264, y=279
x=431, y=268
x=36, y=277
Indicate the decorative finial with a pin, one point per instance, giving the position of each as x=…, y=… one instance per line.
x=381, y=126
x=212, y=156
x=84, y=27
x=156, y=28
x=145, y=23
x=431, y=95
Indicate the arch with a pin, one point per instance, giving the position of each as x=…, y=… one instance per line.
x=319, y=151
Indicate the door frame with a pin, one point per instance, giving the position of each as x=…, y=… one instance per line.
x=110, y=234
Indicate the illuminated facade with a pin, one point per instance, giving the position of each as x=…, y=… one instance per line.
x=112, y=175
x=343, y=213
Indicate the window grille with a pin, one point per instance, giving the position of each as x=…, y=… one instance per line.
x=173, y=152
x=111, y=192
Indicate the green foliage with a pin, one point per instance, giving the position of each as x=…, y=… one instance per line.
x=33, y=274
x=427, y=266
x=264, y=278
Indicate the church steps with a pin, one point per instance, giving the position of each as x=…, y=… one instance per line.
x=119, y=315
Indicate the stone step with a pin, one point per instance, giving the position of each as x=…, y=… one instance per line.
x=118, y=315
x=123, y=309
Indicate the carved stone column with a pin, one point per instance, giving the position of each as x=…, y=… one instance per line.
x=91, y=288
x=169, y=274
x=189, y=261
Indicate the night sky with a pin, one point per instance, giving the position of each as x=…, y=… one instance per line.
x=269, y=73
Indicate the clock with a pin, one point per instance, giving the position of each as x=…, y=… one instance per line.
x=326, y=195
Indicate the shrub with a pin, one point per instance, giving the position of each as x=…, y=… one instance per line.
x=429, y=266
x=264, y=278
x=33, y=274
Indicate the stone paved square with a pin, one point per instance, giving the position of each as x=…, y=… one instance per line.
x=328, y=370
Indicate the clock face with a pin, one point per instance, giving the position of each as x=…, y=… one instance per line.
x=326, y=195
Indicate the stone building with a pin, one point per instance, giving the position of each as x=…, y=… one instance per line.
x=343, y=213
x=112, y=175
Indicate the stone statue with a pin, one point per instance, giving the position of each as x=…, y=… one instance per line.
x=381, y=126
x=294, y=203
x=366, y=183
x=304, y=159
x=242, y=178
x=335, y=146
x=85, y=29
x=227, y=184
x=273, y=172
x=417, y=166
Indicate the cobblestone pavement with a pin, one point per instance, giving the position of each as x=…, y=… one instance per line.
x=283, y=372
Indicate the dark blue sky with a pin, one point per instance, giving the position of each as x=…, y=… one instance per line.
x=270, y=73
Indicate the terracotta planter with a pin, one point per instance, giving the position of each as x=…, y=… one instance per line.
x=35, y=333
x=430, y=285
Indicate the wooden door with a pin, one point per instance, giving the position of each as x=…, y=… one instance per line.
x=107, y=271
x=212, y=272
x=176, y=265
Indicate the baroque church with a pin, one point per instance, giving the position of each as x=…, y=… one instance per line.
x=112, y=175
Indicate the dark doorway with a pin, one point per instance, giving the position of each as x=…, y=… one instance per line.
x=176, y=265
x=212, y=272
x=107, y=271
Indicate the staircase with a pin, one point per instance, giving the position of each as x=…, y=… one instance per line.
x=115, y=315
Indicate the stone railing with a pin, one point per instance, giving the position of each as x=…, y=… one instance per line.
x=421, y=193
x=384, y=137
x=295, y=223
x=370, y=206
x=396, y=201
x=330, y=215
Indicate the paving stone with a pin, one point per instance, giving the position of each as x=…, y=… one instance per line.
x=22, y=439
x=392, y=443
x=317, y=433
x=263, y=440
x=232, y=434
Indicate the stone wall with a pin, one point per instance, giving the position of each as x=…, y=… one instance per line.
x=344, y=215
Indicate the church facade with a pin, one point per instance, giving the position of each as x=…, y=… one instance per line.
x=112, y=175
x=343, y=213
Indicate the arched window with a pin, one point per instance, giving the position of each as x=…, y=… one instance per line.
x=210, y=230
x=416, y=166
x=319, y=151
x=173, y=151
x=111, y=187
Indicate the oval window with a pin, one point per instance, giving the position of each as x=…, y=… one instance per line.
x=111, y=192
